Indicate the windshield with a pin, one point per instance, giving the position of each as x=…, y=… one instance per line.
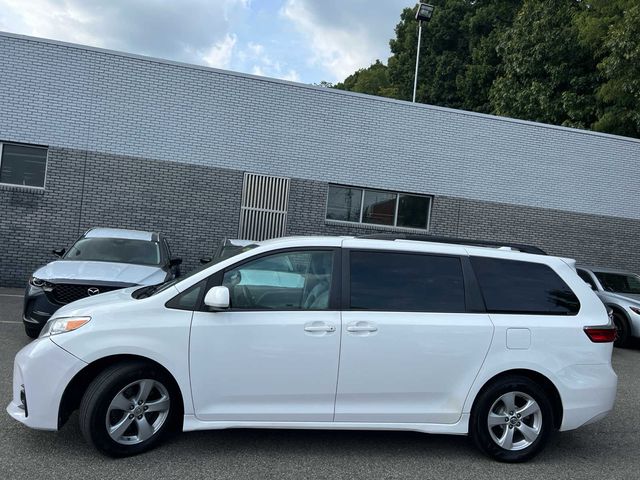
x=619, y=282
x=119, y=250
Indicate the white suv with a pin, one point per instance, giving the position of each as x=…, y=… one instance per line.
x=331, y=333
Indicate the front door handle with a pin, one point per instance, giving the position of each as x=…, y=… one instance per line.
x=356, y=328
x=319, y=328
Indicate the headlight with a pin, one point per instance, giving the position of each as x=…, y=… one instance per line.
x=43, y=284
x=63, y=324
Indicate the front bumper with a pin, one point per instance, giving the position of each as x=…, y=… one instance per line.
x=42, y=370
x=38, y=308
x=634, y=320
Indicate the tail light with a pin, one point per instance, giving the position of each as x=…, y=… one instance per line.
x=601, y=334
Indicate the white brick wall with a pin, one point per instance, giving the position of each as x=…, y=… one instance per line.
x=77, y=97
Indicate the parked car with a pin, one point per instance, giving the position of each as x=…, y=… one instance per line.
x=228, y=248
x=101, y=260
x=619, y=290
x=373, y=334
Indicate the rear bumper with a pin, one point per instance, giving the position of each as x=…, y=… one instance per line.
x=588, y=393
x=42, y=370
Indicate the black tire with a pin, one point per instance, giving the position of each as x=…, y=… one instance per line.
x=105, y=387
x=479, y=429
x=623, y=333
x=32, y=332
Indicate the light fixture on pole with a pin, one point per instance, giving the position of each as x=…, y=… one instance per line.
x=423, y=14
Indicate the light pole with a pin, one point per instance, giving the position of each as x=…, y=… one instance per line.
x=423, y=14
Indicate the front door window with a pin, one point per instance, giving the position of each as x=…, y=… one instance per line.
x=284, y=281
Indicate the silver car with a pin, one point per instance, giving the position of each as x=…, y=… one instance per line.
x=619, y=290
x=101, y=260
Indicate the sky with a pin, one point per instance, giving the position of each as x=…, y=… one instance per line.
x=300, y=40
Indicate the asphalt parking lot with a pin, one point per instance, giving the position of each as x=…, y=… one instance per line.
x=608, y=449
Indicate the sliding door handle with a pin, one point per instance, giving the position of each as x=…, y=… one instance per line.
x=362, y=328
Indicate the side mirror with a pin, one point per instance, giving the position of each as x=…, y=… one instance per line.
x=174, y=262
x=217, y=298
x=205, y=259
x=59, y=252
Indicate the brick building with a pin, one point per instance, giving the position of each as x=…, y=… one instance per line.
x=91, y=137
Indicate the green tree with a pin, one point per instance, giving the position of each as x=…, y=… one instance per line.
x=620, y=93
x=458, y=59
x=443, y=55
x=547, y=74
x=373, y=80
x=485, y=25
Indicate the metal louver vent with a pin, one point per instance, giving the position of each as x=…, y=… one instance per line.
x=263, y=212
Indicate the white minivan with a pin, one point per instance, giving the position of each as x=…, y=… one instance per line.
x=331, y=333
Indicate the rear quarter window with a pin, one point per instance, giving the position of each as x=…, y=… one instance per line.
x=513, y=286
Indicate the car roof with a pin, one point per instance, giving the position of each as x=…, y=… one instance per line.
x=606, y=270
x=407, y=245
x=121, y=233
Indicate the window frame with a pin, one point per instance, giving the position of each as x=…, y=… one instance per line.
x=46, y=166
x=474, y=302
x=335, y=301
x=397, y=194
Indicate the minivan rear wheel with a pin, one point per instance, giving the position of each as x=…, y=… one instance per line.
x=128, y=409
x=512, y=419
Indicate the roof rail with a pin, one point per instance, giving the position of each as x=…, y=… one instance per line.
x=455, y=240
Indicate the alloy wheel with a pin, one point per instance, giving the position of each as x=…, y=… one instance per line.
x=138, y=411
x=514, y=421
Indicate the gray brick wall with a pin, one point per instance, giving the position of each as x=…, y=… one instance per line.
x=32, y=223
x=197, y=206
x=194, y=206
x=78, y=97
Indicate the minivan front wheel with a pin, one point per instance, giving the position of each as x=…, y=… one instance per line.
x=512, y=419
x=128, y=409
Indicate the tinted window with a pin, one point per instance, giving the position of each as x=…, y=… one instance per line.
x=283, y=281
x=23, y=165
x=619, y=282
x=361, y=205
x=344, y=203
x=119, y=250
x=511, y=286
x=379, y=207
x=587, y=278
x=189, y=299
x=406, y=282
x=413, y=211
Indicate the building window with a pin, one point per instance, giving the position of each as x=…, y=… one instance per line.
x=23, y=164
x=378, y=207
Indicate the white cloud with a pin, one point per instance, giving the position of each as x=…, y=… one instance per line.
x=345, y=35
x=168, y=29
x=220, y=53
x=291, y=75
x=256, y=49
x=263, y=65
